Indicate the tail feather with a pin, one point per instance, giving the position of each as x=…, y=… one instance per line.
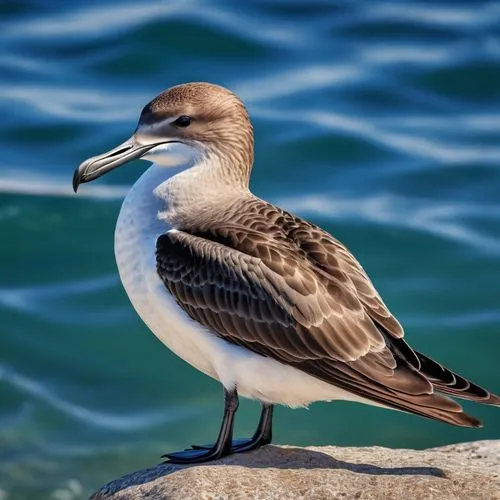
x=431, y=405
x=448, y=382
x=408, y=381
x=442, y=379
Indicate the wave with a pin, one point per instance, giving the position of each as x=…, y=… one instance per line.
x=92, y=21
x=303, y=79
x=405, y=91
x=74, y=103
x=443, y=220
x=451, y=323
x=106, y=20
x=49, y=302
x=25, y=182
x=438, y=14
x=388, y=132
x=122, y=421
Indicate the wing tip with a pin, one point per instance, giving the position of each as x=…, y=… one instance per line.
x=466, y=420
x=492, y=400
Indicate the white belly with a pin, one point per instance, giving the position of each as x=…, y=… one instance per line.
x=255, y=376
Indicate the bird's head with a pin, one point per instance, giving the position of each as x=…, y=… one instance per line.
x=180, y=126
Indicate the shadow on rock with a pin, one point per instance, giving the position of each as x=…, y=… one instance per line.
x=268, y=457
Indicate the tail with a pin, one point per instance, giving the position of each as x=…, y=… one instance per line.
x=448, y=382
x=417, y=384
x=400, y=387
x=405, y=380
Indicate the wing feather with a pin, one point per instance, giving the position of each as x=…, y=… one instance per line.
x=299, y=297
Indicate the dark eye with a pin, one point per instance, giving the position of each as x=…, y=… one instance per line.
x=183, y=121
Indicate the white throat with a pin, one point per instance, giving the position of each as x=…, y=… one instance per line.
x=172, y=154
x=187, y=184
x=195, y=191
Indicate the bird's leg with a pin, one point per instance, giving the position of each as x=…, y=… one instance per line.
x=223, y=445
x=263, y=435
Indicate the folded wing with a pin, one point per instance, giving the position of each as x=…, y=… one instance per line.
x=284, y=300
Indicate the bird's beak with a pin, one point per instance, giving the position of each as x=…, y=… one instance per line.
x=99, y=165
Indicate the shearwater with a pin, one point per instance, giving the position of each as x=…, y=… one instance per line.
x=270, y=305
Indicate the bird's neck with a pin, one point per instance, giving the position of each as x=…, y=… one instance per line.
x=200, y=191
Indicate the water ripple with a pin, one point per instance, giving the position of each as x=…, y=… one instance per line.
x=413, y=145
x=49, y=302
x=92, y=22
x=33, y=183
x=452, y=16
x=116, y=421
x=379, y=114
x=79, y=105
x=444, y=221
x=290, y=82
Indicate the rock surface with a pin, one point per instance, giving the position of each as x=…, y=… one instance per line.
x=466, y=471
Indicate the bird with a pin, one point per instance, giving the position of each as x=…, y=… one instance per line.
x=270, y=305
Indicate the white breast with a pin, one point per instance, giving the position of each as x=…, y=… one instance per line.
x=255, y=376
x=137, y=230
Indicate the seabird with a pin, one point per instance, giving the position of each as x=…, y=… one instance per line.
x=270, y=305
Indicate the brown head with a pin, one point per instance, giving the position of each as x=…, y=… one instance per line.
x=185, y=122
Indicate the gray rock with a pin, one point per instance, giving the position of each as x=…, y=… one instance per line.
x=461, y=471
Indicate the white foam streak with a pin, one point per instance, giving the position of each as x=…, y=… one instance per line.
x=457, y=124
x=92, y=22
x=257, y=28
x=61, y=289
x=305, y=79
x=118, y=422
x=439, y=15
x=32, y=183
x=42, y=300
x=388, y=133
x=418, y=146
x=76, y=104
x=410, y=213
x=454, y=322
x=390, y=55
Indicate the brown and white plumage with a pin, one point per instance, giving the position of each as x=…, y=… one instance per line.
x=283, y=288
x=269, y=304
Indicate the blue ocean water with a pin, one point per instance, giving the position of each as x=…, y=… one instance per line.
x=380, y=121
